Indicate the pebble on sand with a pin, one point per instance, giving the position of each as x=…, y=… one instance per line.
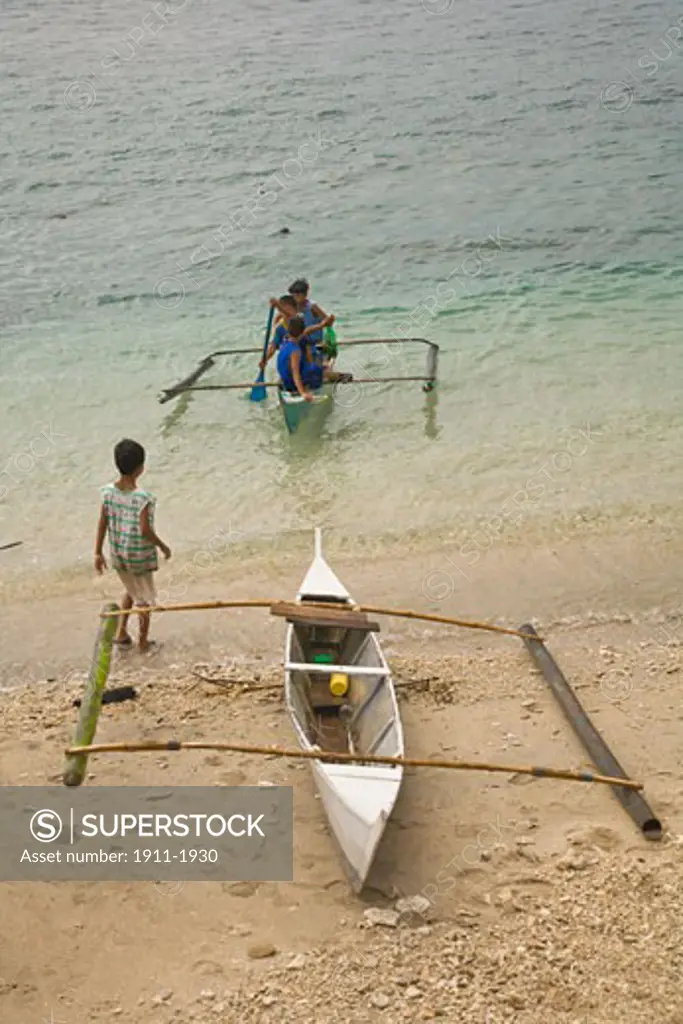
x=242, y=889
x=380, y=1000
x=164, y=996
x=375, y=916
x=414, y=905
x=261, y=951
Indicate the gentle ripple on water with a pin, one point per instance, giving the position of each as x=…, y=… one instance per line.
x=472, y=146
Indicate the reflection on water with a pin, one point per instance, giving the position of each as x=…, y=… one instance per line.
x=314, y=469
x=171, y=420
x=432, y=429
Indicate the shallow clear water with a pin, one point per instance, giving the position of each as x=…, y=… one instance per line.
x=475, y=177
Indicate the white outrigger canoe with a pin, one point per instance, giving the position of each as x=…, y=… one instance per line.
x=334, y=648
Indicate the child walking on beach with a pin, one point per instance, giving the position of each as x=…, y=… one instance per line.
x=127, y=516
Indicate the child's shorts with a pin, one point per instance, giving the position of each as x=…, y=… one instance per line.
x=139, y=586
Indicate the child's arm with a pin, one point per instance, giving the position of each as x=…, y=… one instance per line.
x=318, y=311
x=327, y=322
x=268, y=356
x=149, y=534
x=100, y=562
x=296, y=374
x=272, y=348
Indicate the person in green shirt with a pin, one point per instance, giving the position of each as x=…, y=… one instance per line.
x=127, y=518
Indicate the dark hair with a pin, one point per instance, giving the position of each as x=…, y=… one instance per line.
x=128, y=456
x=288, y=299
x=300, y=287
x=296, y=327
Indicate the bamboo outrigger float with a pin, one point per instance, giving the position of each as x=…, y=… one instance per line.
x=341, y=699
x=634, y=804
x=293, y=406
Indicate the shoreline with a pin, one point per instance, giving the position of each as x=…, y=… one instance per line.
x=597, y=575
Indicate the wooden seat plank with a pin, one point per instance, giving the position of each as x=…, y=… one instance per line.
x=333, y=617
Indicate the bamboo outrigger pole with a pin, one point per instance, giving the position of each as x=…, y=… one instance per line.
x=188, y=383
x=402, y=613
x=367, y=608
x=322, y=755
x=197, y=606
x=276, y=384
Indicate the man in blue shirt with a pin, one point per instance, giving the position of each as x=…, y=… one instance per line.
x=297, y=372
x=288, y=309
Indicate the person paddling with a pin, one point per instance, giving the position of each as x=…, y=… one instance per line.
x=312, y=314
x=286, y=307
x=298, y=373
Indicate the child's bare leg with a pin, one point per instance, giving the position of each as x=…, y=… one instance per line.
x=144, y=630
x=122, y=633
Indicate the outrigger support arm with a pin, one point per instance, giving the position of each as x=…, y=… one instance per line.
x=208, y=362
x=432, y=356
x=186, y=384
x=335, y=383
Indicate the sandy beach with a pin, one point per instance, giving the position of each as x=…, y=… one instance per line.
x=497, y=180
x=543, y=896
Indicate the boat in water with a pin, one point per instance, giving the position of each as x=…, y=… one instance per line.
x=341, y=698
x=295, y=409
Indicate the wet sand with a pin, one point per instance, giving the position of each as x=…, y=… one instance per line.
x=589, y=571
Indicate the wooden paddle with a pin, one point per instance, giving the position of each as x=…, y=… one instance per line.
x=258, y=391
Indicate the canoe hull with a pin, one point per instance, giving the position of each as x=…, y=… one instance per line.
x=296, y=409
x=358, y=820
x=357, y=799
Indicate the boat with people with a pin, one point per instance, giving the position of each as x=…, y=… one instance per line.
x=305, y=345
x=341, y=698
x=295, y=408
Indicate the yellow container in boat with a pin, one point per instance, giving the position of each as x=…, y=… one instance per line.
x=339, y=684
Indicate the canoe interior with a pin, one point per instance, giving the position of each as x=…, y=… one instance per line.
x=363, y=721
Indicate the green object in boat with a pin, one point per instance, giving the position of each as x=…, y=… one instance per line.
x=322, y=659
x=330, y=343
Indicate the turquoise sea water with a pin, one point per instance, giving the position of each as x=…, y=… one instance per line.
x=503, y=179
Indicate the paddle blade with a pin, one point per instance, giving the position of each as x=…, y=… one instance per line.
x=258, y=393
